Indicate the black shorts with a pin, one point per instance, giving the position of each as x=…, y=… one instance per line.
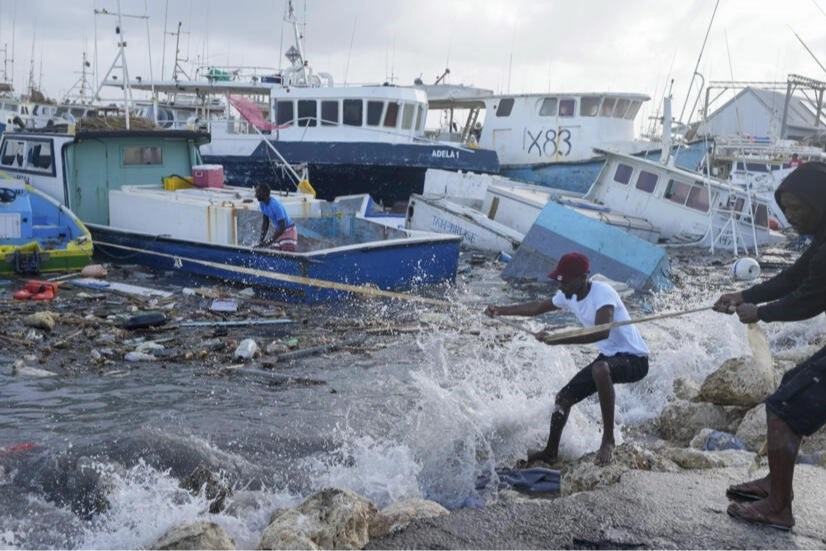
x=800, y=400
x=625, y=368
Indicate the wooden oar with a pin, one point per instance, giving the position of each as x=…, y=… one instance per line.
x=599, y=328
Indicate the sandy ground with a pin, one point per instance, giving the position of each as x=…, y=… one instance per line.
x=645, y=510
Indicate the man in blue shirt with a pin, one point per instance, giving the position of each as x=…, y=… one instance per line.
x=285, y=236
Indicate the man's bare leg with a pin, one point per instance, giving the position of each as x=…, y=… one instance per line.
x=776, y=509
x=605, y=390
x=558, y=419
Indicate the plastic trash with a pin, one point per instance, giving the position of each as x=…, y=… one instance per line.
x=719, y=440
x=147, y=319
x=246, y=349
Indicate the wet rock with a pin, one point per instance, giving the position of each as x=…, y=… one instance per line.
x=332, y=518
x=686, y=389
x=681, y=420
x=584, y=475
x=397, y=516
x=738, y=382
x=215, y=489
x=199, y=535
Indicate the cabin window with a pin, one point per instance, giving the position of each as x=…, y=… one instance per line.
x=623, y=174
x=646, y=181
x=567, y=107
x=307, y=112
x=633, y=109
x=698, y=198
x=607, y=108
x=329, y=113
x=677, y=192
x=621, y=107
x=407, y=116
x=589, y=107
x=761, y=215
x=353, y=112
x=374, y=111
x=548, y=107
x=40, y=156
x=505, y=107
x=142, y=156
x=284, y=113
x=391, y=117
x=13, y=153
x=692, y=196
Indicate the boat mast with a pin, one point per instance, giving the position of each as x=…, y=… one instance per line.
x=119, y=62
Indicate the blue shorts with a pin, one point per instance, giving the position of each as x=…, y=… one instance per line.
x=625, y=368
x=800, y=400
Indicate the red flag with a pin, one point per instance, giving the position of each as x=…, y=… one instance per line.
x=251, y=113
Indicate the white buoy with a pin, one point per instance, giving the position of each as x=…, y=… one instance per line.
x=745, y=269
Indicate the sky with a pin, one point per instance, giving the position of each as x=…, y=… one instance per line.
x=514, y=46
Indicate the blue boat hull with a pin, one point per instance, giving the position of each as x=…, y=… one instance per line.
x=613, y=253
x=311, y=277
x=388, y=172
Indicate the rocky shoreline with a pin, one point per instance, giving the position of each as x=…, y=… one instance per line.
x=665, y=489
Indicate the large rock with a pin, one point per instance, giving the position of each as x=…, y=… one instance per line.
x=738, y=382
x=680, y=420
x=332, y=518
x=752, y=429
x=688, y=458
x=199, y=535
x=585, y=476
x=398, y=515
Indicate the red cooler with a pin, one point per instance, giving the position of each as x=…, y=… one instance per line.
x=208, y=175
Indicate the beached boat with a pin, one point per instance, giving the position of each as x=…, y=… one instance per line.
x=540, y=138
x=757, y=163
x=494, y=212
x=38, y=234
x=535, y=225
x=127, y=188
x=354, y=139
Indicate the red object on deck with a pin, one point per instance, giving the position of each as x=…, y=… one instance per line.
x=208, y=175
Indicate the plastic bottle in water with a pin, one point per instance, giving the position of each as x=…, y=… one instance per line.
x=246, y=349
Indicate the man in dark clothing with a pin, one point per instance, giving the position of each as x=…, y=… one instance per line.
x=798, y=407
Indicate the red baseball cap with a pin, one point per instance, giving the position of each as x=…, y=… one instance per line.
x=570, y=265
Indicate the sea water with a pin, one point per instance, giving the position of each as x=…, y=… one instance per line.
x=424, y=416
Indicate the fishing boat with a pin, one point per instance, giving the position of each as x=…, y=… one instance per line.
x=38, y=234
x=757, y=163
x=540, y=138
x=354, y=139
x=493, y=213
x=139, y=194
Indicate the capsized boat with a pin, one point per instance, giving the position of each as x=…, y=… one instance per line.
x=132, y=190
x=38, y=234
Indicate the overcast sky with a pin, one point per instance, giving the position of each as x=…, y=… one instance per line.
x=504, y=45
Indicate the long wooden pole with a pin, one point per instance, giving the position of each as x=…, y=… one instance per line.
x=605, y=326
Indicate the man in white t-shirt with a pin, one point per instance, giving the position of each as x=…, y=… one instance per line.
x=623, y=354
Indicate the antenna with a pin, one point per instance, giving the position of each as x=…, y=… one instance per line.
x=119, y=61
x=697, y=65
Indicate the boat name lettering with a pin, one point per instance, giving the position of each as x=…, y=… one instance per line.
x=446, y=226
x=550, y=143
x=445, y=154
